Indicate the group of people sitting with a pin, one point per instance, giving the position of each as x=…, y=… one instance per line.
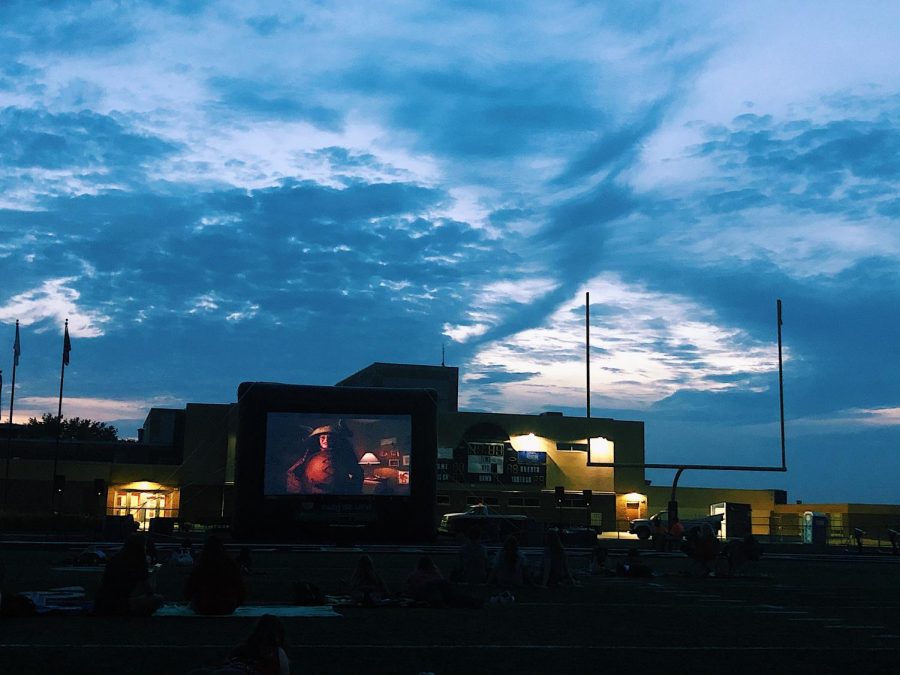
x=507, y=569
x=215, y=585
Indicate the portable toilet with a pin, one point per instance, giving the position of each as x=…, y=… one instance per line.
x=815, y=528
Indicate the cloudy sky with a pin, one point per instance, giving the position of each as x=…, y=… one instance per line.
x=228, y=191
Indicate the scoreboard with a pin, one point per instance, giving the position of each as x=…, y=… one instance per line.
x=491, y=462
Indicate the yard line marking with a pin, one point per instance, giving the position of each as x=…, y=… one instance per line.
x=782, y=611
x=518, y=647
x=860, y=627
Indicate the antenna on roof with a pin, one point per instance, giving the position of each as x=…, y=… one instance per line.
x=442, y=355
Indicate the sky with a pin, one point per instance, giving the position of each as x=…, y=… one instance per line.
x=218, y=192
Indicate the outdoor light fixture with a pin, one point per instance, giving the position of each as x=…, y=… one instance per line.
x=526, y=443
x=142, y=486
x=600, y=450
x=367, y=461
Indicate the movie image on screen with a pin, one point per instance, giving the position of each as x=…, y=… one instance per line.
x=316, y=454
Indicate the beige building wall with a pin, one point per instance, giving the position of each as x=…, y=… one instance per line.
x=568, y=468
x=694, y=502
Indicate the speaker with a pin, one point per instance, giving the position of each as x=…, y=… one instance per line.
x=59, y=483
x=99, y=487
x=588, y=495
x=560, y=495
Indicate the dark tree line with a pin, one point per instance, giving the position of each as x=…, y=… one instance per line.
x=71, y=428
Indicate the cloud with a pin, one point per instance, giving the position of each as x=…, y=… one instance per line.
x=265, y=101
x=98, y=409
x=85, y=140
x=55, y=301
x=81, y=27
x=645, y=346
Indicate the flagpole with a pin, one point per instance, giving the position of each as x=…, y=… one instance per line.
x=12, y=392
x=62, y=377
x=17, y=349
x=6, y=476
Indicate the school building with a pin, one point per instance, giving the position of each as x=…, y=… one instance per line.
x=543, y=465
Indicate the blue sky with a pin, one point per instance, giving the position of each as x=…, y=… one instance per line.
x=227, y=191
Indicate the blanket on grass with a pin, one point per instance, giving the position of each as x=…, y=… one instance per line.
x=252, y=610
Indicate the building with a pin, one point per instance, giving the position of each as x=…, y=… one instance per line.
x=544, y=465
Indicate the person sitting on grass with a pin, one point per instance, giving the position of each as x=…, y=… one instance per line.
x=427, y=584
x=597, y=565
x=184, y=556
x=472, y=559
x=261, y=653
x=702, y=547
x=366, y=587
x=215, y=585
x=740, y=551
x=554, y=564
x=125, y=587
x=633, y=567
x=509, y=569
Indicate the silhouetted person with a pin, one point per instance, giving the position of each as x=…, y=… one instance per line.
x=657, y=534
x=244, y=561
x=633, y=566
x=555, y=564
x=509, y=569
x=599, y=556
x=184, y=556
x=427, y=584
x=703, y=548
x=125, y=587
x=472, y=559
x=215, y=585
x=739, y=551
x=366, y=586
x=261, y=653
x=152, y=554
x=894, y=535
x=675, y=535
x=858, y=534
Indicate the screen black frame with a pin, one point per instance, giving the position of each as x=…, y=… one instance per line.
x=363, y=517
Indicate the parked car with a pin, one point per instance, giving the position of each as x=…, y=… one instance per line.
x=642, y=527
x=492, y=525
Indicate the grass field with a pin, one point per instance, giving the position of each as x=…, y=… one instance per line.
x=787, y=614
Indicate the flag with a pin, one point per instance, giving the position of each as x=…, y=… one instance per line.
x=17, y=349
x=67, y=345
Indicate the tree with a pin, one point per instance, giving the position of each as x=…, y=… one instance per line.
x=72, y=428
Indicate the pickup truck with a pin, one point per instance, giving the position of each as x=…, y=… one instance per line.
x=642, y=527
x=493, y=525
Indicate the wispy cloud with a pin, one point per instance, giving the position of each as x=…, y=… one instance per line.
x=54, y=302
x=645, y=347
x=92, y=408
